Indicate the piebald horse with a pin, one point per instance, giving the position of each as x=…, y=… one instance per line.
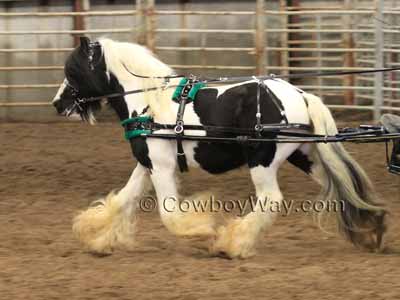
x=104, y=67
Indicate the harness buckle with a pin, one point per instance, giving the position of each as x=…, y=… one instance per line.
x=78, y=103
x=69, y=111
x=178, y=129
x=167, y=82
x=258, y=128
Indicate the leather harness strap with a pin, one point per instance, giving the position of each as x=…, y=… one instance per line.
x=184, y=94
x=182, y=99
x=275, y=101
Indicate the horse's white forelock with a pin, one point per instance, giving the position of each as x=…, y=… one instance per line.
x=122, y=56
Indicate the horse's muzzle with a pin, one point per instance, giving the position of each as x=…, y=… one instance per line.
x=59, y=107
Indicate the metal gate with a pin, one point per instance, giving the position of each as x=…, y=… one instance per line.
x=208, y=38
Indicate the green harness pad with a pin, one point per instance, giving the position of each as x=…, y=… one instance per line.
x=135, y=133
x=192, y=93
x=138, y=131
x=196, y=87
x=179, y=89
x=140, y=119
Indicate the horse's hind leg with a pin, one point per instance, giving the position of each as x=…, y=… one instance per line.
x=109, y=223
x=301, y=159
x=238, y=237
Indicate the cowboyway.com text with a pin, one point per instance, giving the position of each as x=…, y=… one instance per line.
x=252, y=203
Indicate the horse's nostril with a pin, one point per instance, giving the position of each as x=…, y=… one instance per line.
x=58, y=106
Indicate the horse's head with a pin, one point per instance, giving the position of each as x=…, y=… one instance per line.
x=86, y=77
x=95, y=70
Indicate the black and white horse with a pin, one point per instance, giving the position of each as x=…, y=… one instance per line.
x=104, y=67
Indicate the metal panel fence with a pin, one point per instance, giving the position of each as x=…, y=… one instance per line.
x=259, y=37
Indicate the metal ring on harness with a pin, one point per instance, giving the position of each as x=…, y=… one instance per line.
x=179, y=128
x=258, y=128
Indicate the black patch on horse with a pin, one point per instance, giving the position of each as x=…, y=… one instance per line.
x=118, y=103
x=86, y=81
x=139, y=146
x=236, y=107
x=301, y=161
x=140, y=149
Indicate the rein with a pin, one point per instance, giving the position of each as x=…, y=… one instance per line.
x=300, y=75
x=82, y=100
x=153, y=77
x=78, y=101
x=144, y=126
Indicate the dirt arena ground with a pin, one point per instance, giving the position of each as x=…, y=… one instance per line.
x=50, y=171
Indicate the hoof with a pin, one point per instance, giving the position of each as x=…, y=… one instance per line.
x=104, y=226
x=235, y=240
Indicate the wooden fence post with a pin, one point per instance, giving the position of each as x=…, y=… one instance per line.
x=260, y=37
x=348, y=56
x=140, y=34
x=284, y=38
x=379, y=43
x=150, y=25
x=79, y=21
x=183, y=37
x=319, y=53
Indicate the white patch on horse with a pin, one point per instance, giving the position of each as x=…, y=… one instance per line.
x=292, y=100
x=60, y=90
x=119, y=59
x=222, y=89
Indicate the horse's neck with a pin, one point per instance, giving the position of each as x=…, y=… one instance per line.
x=161, y=107
x=134, y=102
x=159, y=100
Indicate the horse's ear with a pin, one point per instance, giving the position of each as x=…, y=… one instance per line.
x=84, y=42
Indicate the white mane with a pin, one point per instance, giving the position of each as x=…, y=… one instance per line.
x=121, y=57
x=134, y=57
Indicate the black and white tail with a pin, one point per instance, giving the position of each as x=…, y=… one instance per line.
x=362, y=218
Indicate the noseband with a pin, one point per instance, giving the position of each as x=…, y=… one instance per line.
x=76, y=105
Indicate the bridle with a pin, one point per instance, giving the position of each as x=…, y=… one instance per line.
x=76, y=106
x=78, y=102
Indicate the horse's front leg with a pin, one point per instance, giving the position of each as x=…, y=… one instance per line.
x=109, y=223
x=182, y=222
